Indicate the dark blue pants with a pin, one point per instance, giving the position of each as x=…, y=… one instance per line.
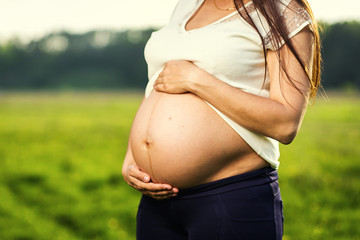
x=247, y=206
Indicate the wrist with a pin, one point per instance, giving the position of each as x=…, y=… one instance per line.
x=203, y=80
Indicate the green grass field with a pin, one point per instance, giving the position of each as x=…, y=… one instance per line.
x=61, y=156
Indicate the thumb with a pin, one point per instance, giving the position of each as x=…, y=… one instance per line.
x=142, y=176
x=146, y=178
x=160, y=87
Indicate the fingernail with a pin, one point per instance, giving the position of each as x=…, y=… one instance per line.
x=175, y=190
x=146, y=178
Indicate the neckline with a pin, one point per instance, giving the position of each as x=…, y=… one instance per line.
x=197, y=7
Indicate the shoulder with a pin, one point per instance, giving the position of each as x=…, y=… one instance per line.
x=293, y=14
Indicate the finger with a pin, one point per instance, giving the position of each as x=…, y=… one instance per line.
x=167, y=196
x=161, y=197
x=160, y=87
x=155, y=187
x=140, y=175
x=152, y=187
x=159, y=194
x=163, y=192
x=159, y=80
x=141, y=185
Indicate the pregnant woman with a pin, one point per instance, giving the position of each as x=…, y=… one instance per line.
x=228, y=81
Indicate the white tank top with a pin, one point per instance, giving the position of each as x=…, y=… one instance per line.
x=230, y=49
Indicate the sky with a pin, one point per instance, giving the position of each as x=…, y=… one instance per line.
x=31, y=19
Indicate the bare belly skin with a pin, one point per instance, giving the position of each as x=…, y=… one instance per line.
x=180, y=140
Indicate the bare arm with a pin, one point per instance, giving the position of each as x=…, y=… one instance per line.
x=278, y=116
x=141, y=181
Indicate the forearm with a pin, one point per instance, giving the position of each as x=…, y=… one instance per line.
x=262, y=115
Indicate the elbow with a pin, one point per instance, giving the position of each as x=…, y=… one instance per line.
x=287, y=134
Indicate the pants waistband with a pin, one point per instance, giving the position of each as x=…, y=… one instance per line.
x=248, y=179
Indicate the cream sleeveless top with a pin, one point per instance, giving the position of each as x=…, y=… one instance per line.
x=230, y=49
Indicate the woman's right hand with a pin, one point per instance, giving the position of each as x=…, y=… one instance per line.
x=142, y=182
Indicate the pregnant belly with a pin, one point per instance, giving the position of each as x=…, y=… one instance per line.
x=178, y=139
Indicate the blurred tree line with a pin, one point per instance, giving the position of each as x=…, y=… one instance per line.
x=108, y=59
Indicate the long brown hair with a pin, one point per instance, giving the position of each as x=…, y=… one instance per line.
x=269, y=9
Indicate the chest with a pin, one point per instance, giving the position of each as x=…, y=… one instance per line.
x=206, y=14
x=222, y=47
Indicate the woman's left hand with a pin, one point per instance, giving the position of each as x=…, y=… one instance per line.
x=177, y=77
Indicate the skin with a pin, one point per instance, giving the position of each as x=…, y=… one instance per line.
x=279, y=116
